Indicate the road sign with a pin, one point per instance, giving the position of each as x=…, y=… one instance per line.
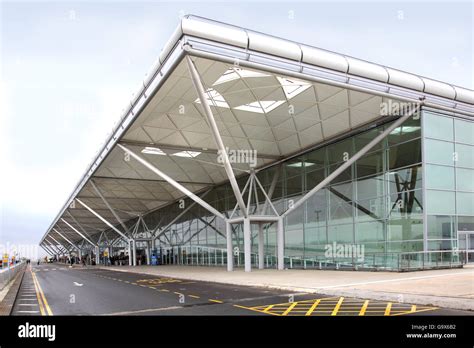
x=5, y=260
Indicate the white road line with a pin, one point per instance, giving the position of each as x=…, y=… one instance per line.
x=27, y=311
x=27, y=295
x=144, y=310
x=28, y=304
x=393, y=280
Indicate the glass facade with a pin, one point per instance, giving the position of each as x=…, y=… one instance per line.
x=449, y=173
x=411, y=193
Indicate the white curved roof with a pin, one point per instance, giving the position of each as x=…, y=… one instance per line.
x=251, y=108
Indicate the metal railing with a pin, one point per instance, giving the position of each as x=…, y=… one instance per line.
x=391, y=261
x=8, y=273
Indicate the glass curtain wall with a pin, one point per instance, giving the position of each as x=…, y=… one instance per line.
x=377, y=203
x=449, y=170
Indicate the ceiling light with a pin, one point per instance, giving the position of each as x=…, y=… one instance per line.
x=301, y=164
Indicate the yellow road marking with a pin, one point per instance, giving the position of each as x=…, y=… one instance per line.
x=413, y=308
x=338, y=305
x=165, y=290
x=217, y=301
x=253, y=309
x=45, y=302
x=418, y=311
x=152, y=287
x=364, y=307
x=268, y=308
x=388, y=308
x=313, y=307
x=193, y=296
x=38, y=296
x=288, y=310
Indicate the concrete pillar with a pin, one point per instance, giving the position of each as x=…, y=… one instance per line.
x=230, y=252
x=261, y=241
x=280, y=245
x=147, y=253
x=134, y=249
x=130, y=253
x=247, y=246
x=97, y=255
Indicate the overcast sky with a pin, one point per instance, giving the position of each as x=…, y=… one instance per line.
x=69, y=68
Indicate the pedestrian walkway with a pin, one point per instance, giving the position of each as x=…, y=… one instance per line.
x=440, y=288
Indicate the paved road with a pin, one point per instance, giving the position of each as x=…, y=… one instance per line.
x=52, y=289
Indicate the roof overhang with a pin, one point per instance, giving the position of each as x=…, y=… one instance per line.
x=270, y=95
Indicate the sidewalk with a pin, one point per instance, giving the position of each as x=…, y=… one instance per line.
x=441, y=288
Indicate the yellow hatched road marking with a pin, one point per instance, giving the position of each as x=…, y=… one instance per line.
x=388, y=308
x=194, y=296
x=338, y=305
x=288, y=310
x=313, y=307
x=417, y=311
x=364, y=307
x=268, y=308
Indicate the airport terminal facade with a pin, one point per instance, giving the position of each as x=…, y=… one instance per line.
x=242, y=149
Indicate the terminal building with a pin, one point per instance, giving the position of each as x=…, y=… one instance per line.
x=241, y=149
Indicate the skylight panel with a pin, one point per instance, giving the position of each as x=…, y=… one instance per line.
x=187, y=154
x=292, y=87
x=153, y=151
x=237, y=73
x=214, y=98
x=262, y=106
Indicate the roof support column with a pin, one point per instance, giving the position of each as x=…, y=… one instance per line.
x=55, y=248
x=354, y=158
x=230, y=253
x=46, y=249
x=58, y=243
x=172, y=182
x=247, y=245
x=280, y=245
x=215, y=131
x=261, y=240
x=79, y=233
x=102, y=219
x=67, y=240
x=112, y=210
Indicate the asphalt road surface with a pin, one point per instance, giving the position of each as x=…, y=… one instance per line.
x=52, y=289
